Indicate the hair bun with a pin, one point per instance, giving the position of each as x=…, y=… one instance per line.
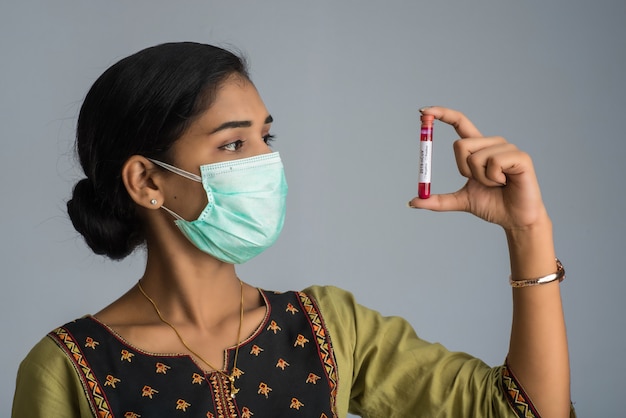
x=103, y=232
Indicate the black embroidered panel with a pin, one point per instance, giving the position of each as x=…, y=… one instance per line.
x=286, y=369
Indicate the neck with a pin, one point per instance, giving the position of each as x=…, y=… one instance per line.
x=191, y=287
x=230, y=376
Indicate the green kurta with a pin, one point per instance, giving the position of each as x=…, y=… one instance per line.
x=384, y=370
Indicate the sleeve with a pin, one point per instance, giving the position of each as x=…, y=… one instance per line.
x=391, y=372
x=48, y=385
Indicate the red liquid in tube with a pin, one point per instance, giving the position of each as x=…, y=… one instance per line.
x=426, y=154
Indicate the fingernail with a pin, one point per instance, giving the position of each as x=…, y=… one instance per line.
x=424, y=108
x=408, y=205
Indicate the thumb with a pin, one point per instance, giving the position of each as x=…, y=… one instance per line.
x=439, y=202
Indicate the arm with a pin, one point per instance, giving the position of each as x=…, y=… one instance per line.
x=538, y=349
x=502, y=188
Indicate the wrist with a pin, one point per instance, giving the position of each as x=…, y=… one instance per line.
x=531, y=250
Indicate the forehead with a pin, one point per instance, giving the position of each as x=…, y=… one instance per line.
x=237, y=99
x=237, y=106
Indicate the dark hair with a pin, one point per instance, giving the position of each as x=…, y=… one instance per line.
x=139, y=106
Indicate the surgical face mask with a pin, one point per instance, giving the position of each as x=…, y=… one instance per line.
x=245, y=210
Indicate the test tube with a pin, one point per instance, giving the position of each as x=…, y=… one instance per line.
x=426, y=154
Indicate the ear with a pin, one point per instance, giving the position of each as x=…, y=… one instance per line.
x=141, y=179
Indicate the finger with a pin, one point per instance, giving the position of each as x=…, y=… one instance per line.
x=463, y=126
x=488, y=165
x=465, y=148
x=514, y=165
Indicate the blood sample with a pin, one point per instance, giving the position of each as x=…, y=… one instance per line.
x=426, y=154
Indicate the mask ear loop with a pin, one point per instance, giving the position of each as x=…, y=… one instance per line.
x=180, y=172
x=174, y=214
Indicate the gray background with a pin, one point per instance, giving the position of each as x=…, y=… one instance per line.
x=343, y=81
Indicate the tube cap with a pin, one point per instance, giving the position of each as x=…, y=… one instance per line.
x=427, y=118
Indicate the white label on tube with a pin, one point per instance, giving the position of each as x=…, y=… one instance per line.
x=426, y=149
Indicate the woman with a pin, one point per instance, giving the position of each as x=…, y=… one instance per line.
x=174, y=144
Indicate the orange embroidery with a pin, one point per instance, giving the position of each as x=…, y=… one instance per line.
x=301, y=340
x=323, y=415
x=256, y=350
x=282, y=364
x=127, y=355
x=197, y=379
x=162, y=368
x=147, y=391
x=223, y=402
x=209, y=415
x=131, y=415
x=100, y=404
x=313, y=378
x=295, y=404
x=237, y=372
x=91, y=343
x=111, y=381
x=264, y=389
x=325, y=350
x=181, y=404
x=274, y=327
x=291, y=308
x=246, y=413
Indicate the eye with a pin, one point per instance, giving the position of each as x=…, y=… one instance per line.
x=233, y=146
x=269, y=138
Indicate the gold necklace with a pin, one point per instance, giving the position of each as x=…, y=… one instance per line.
x=231, y=377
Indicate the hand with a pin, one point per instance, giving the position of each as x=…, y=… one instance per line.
x=502, y=187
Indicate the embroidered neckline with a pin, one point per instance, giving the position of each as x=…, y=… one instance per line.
x=227, y=352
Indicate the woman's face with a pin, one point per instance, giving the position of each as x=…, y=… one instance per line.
x=237, y=125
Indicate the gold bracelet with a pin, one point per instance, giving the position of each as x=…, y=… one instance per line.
x=559, y=275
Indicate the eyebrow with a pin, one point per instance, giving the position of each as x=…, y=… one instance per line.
x=240, y=124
